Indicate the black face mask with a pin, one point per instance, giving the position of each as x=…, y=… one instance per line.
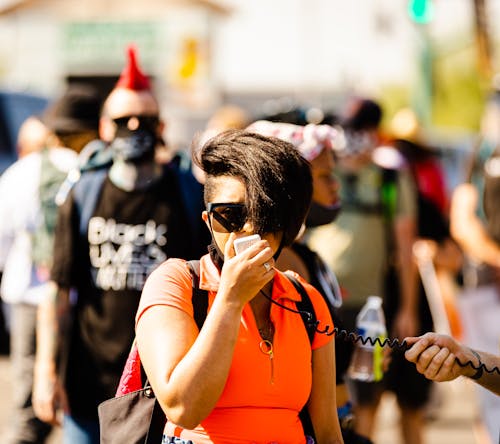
x=321, y=215
x=216, y=255
x=137, y=143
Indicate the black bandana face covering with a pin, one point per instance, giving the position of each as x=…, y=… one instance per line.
x=134, y=144
x=321, y=215
x=216, y=255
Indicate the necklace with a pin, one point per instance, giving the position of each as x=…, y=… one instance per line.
x=267, y=331
x=266, y=347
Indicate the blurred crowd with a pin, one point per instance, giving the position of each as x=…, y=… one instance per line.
x=84, y=213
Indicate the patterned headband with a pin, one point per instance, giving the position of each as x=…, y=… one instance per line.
x=310, y=140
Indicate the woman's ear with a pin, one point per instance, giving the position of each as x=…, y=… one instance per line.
x=107, y=129
x=204, y=216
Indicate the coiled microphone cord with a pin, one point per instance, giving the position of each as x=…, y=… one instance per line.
x=395, y=344
x=386, y=342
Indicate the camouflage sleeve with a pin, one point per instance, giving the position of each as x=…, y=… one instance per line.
x=407, y=195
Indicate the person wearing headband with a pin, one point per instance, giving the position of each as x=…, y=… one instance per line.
x=320, y=145
x=249, y=371
x=369, y=247
x=115, y=226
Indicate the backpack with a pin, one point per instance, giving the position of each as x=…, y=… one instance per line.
x=86, y=180
x=51, y=179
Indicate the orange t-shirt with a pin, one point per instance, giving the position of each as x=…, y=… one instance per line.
x=261, y=401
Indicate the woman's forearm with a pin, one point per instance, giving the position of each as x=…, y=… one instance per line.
x=190, y=388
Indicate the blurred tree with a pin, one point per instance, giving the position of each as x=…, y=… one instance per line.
x=459, y=100
x=483, y=40
x=421, y=11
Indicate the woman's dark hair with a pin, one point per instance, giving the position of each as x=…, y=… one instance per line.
x=277, y=179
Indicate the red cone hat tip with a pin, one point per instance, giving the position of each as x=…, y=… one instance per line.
x=132, y=77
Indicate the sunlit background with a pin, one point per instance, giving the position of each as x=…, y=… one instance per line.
x=436, y=57
x=439, y=56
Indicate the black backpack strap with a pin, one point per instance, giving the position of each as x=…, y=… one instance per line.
x=86, y=193
x=199, y=300
x=95, y=155
x=321, y=277
x=305, y=307
x=199, y=296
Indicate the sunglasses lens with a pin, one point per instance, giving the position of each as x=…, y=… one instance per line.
x=228, y=218
x=140, y=122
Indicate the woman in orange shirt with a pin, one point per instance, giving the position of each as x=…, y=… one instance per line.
x=246, y=375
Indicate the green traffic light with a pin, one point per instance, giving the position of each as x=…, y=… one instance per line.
x=420, y=11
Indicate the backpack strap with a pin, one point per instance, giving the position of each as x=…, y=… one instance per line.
x=42, y=236
x=305, y=307
x=95, y=155
x=199, y=297
x=389, y=200
x=86, y=193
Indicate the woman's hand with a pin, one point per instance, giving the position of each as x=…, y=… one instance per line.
x=245, y=274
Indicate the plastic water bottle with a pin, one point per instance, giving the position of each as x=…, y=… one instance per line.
x=366, y=361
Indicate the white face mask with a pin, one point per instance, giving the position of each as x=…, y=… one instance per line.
x=358, y=142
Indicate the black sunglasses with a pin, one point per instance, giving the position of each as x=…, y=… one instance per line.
x=227, y=217
x=144, y=122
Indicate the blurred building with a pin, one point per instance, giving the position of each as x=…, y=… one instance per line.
x=15, y=108
x=52, y=42
x=56, y=40
x=264, y=55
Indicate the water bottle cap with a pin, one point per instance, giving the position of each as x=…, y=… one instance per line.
x=376, y=300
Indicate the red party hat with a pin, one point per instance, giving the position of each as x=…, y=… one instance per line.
x=132, y=77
